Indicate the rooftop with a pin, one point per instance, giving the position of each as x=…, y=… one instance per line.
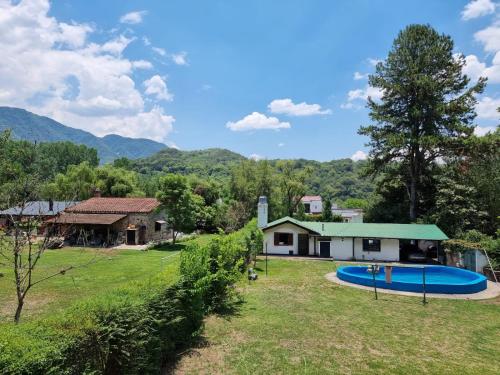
x=116, y=205
x=39, y=208
x=310, y=198
x=370, y=230
x=78, y=218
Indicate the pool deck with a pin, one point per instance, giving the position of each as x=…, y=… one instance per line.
x=492, y=291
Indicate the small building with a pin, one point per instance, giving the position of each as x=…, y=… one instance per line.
x=113, y=221
x=349, y=215
x=313, y=204
x=39, y=210
x=346, y=241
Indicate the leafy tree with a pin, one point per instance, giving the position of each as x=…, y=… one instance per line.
x=291, y=185
x=456, y=211
x=327, y=211
x=355, y=203
x=181, y=205
x=301, y=212
x=426, y=109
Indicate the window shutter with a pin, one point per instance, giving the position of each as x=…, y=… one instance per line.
x=276, y=239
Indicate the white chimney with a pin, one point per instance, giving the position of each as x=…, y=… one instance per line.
x=262, y=212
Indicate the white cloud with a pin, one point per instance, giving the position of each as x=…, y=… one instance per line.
x=355, y=98
x=173, y=145
x=159, y=51
x=478, y=8
x=256, y=157
x=146, y=41
x=51, y=68
x=281, y=144
x=133, y=18
x=481, y=131
x=287, y=107
x=359, y=155
x=489, y=37
x=157, y=87
x=473, y=67
x=374, y=62
x=486, y=108
x=141, y=64
x=257, y=121
x=358, y=76
x=180, y=58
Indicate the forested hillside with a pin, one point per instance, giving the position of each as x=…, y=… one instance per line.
x=335, y=179
x=28, y=126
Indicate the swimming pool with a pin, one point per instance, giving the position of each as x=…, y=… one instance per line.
x=438, y=279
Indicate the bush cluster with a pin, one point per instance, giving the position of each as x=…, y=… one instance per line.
x=137, y=329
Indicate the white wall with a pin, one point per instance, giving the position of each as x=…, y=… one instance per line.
x=316, y=207
x=389, y=250
x=283, y=228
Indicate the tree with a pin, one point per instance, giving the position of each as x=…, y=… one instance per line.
x=327, y=211
x=456, y=210
x=20, y=180
x=291, y=185
x=426, y=109
x=181, y=205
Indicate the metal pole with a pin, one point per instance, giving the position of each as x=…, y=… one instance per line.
x=423, y=282
x=266, y=258
x=374, y=282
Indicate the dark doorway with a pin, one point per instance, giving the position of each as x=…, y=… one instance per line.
x=303, y=244
x=324, y=249
x=130, y=237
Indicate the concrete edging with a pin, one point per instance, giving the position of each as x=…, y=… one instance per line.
x=492, y=291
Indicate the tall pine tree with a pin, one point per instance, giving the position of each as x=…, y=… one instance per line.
x=426, y=109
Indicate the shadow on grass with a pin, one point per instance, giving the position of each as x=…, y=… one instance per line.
x=227, y=311
x=169, y=247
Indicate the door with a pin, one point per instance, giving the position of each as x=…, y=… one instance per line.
x=130, y=237
x=324, y=249
x=142, y=235
x=303, y=244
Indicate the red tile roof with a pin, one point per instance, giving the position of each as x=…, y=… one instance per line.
x=309, y=198
x=116, y=205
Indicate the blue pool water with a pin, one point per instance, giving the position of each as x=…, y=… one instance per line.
x=438, y=279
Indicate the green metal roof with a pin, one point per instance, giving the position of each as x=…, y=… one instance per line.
x=367, y=230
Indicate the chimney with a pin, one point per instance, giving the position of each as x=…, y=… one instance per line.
x=51, y=204
x=97, y=193
x=262, y=212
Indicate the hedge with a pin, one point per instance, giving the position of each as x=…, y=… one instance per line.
x=135, y=329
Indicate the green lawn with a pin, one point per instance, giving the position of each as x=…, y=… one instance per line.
x=108, y=269
x=296, y=322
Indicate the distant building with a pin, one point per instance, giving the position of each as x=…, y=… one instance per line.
x=40, y=210
x=313, y=204
x=349, y=215
x=113, y=221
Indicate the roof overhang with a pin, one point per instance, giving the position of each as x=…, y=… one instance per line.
x=87, y=219
x=292, y=223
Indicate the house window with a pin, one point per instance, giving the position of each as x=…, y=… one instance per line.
x=158, y=225
x=307, y=208
x=371, y=244
x=283, y=239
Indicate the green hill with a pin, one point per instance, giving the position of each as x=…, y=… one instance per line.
x=31, y=127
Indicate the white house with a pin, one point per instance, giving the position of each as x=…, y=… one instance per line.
x=312, y=204
x=344, y=241
x=349, y=215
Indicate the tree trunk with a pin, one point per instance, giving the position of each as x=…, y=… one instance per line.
x=174, y=235
x=413, y=198
x=20, y=304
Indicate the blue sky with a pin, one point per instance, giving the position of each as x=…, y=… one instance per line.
x=231, y=74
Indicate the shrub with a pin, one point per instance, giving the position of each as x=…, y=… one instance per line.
x=135, y=329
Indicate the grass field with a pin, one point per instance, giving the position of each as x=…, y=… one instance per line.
x=108, y=269
x=296, y=322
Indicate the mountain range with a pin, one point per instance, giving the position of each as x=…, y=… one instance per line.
x=28, y=126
